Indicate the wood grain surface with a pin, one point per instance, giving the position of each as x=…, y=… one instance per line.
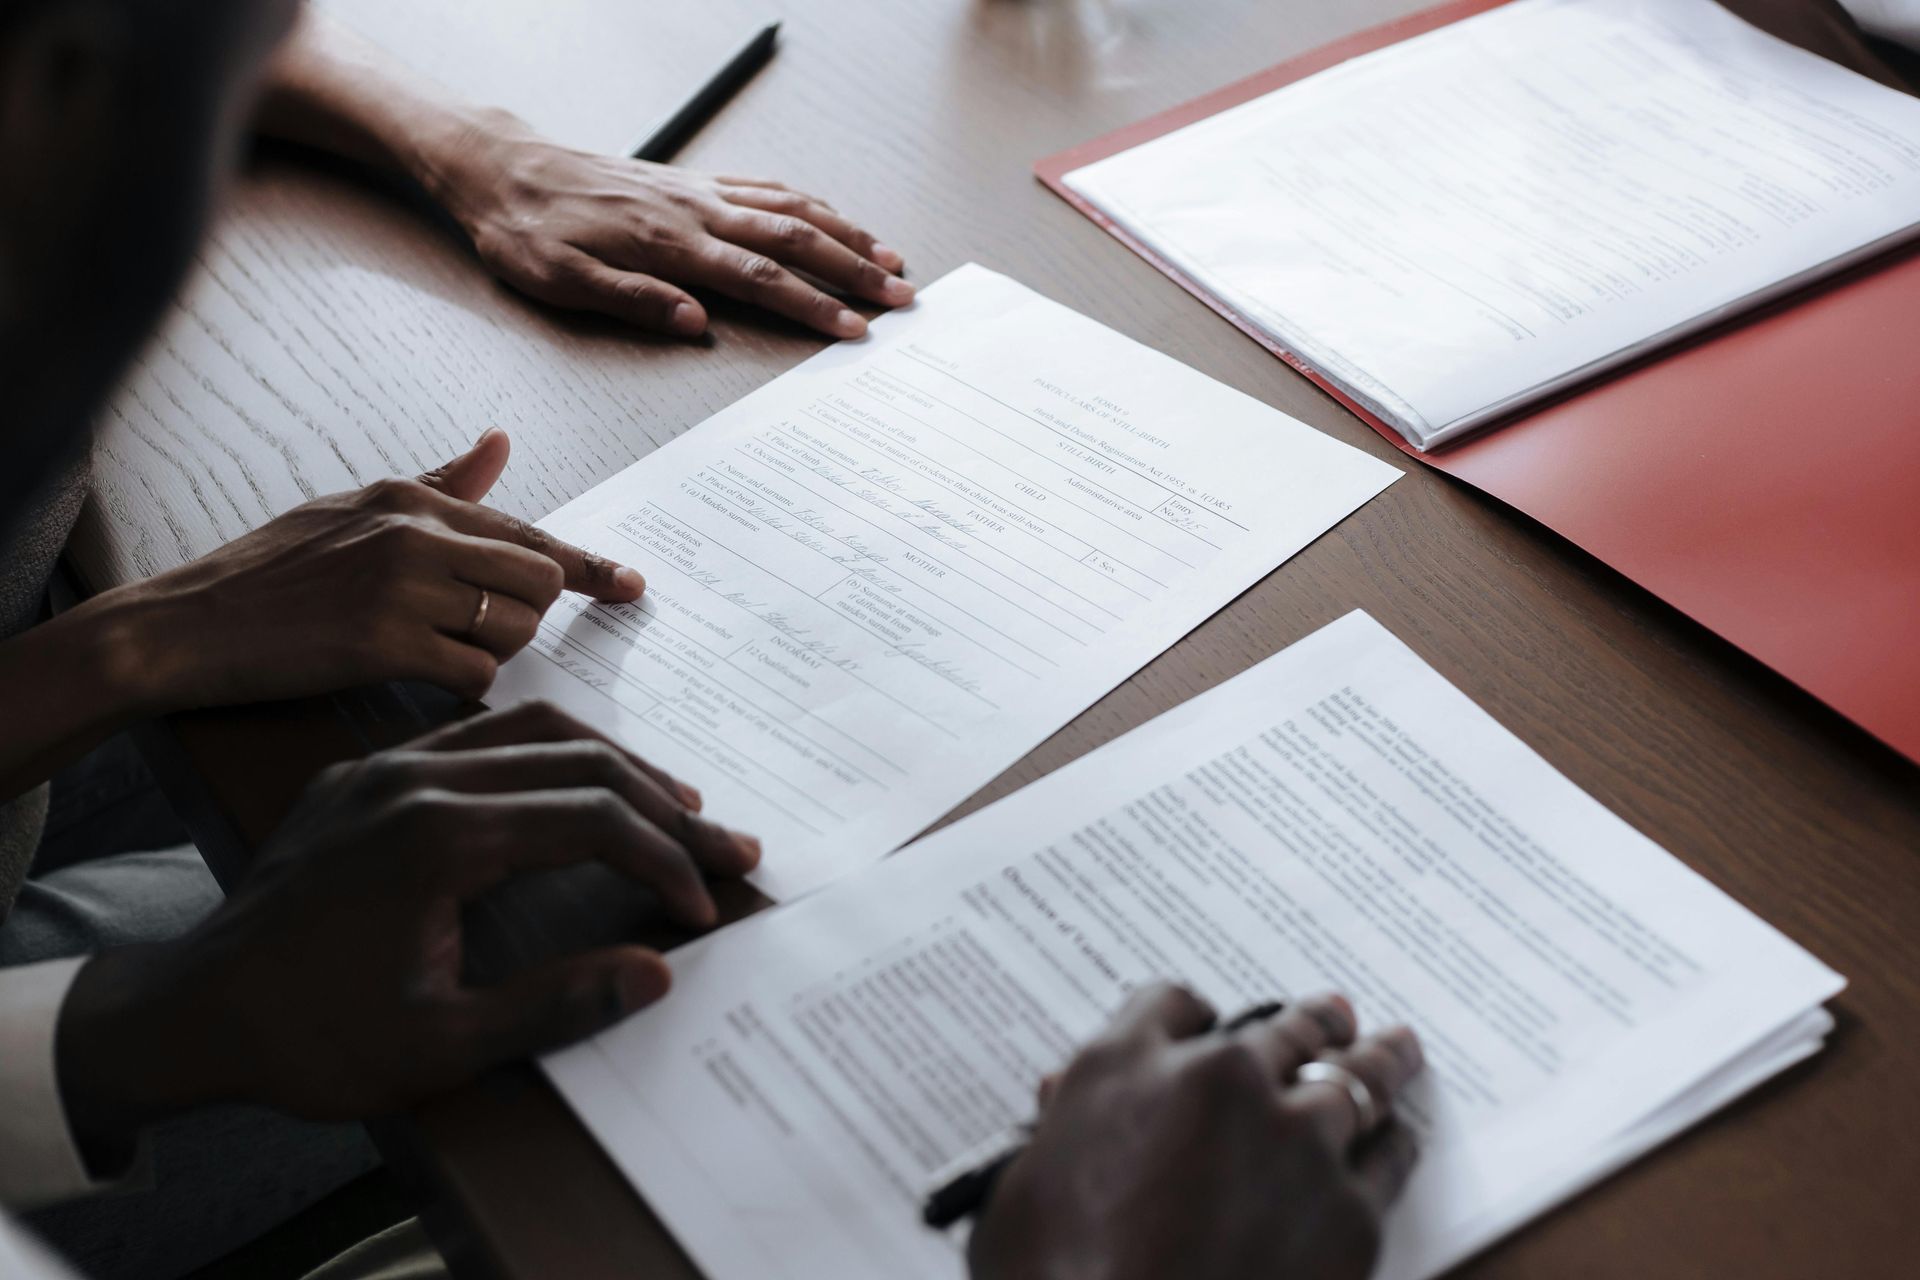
x=334, y=335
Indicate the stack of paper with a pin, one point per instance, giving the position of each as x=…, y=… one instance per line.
x=1463, y=224
x=1337, y=818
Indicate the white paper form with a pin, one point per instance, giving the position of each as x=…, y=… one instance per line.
x=1337, y=818
x=1484, y=215
x=881, y=579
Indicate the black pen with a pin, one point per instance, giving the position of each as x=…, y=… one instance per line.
x=968, y=1192
x=679, y=128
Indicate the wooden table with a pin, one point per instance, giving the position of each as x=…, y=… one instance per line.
x=333, y=336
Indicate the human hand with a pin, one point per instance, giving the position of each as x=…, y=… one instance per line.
x=1166, y=1151
x=628, y=238
x=1823, y=27
x=380, y=584
x=329, y=984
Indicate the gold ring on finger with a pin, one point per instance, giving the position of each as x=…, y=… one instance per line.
x=480, y=614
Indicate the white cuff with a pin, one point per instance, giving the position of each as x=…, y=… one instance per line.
x=39, y=1160
x=22, y=1256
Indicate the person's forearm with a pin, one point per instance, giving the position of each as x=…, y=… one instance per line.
x=334, y=90
x=134, y=1047
x=1823, y=27
x=587, y=232
x=72, y=682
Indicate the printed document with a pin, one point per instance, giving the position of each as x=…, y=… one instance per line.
x=1457, y=225
x=881, y=579
x=1337, y=818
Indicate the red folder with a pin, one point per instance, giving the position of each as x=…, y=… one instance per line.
x=1764, y=479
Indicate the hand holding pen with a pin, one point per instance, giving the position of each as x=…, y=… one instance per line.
x=1175, y=1145
x=964, y=1190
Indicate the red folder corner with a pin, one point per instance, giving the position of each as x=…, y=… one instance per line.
x=1765, y=479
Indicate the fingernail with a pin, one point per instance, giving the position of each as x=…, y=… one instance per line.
x=641, y=985
x=897, y=291
x=1341, y=1010
x=749, y=845
x=888, y=258
x=848, y=324
x=689, y=797
x=629, y=580
x=1406, y=1044
x=688, y=320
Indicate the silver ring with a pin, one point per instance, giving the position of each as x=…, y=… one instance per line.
x=1321, y=1071
x=479, y=614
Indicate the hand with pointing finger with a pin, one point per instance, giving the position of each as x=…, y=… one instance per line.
x=329, y=984
x=405, y=579
x=1164, y=1150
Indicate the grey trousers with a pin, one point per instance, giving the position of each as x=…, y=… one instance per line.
x=215, y=1179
